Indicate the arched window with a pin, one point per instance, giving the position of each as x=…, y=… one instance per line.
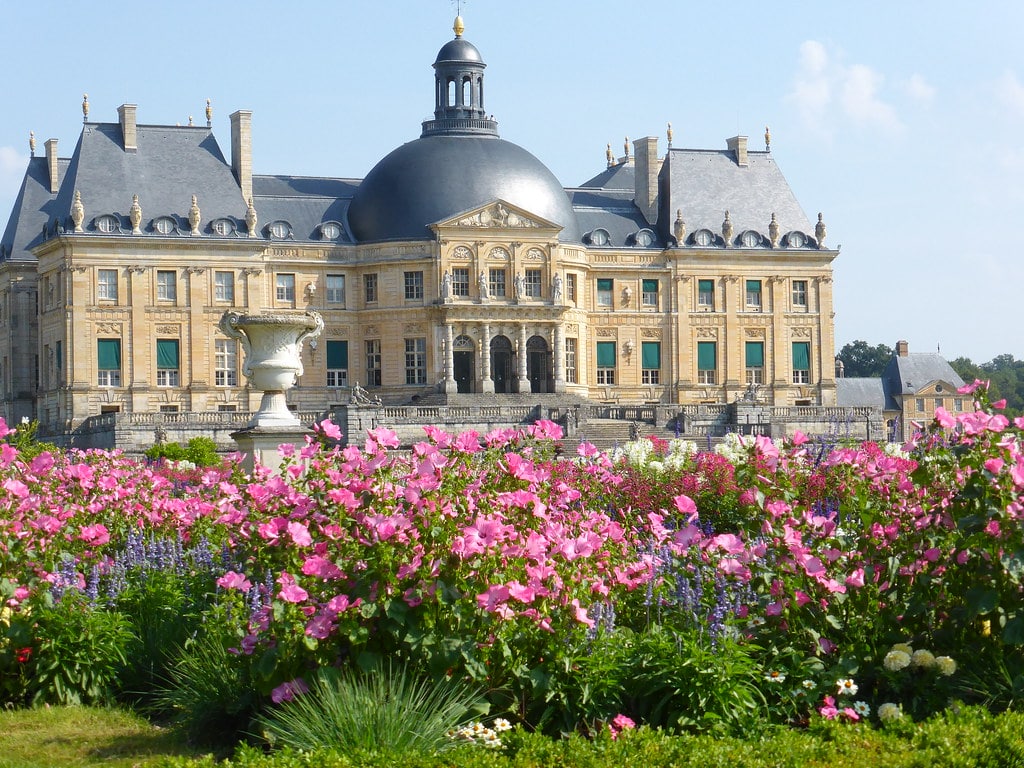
x=451, y=93
x=467, y=95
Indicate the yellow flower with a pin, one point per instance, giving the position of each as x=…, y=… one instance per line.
x=945, y=665
x=888, y=712
x=923, y=659
x=896, y=659
x=905, y=647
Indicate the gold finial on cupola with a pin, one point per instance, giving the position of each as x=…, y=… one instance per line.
x=209, y=114
x=767, y=139
x=85, y=107
x=670, y=134
x=458, y=27
x=32, y=142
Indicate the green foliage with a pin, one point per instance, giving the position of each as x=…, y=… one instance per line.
x=201, y=451
x=385, y=710
x=26, y=440
x=861, y=359
x=1006, y=377
x=81, y=652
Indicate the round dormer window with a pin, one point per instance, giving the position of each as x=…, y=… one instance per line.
x=107, y=224
x=164, y=225
x=279, y=230
x=223, y=227
x=330, y=230
x=644, y=238
x=599, y=237
x=796, y=240
x=750, y=239
x=703, y=237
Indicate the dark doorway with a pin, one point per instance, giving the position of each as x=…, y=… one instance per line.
x=464, y=371
x=502, y=360
x=538, y=365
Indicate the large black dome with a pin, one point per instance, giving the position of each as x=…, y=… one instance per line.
x=436, y=177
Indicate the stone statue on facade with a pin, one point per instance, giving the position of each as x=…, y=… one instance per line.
x=556, y=289
x=446, y=285
x=520, y=285
x=482, y=285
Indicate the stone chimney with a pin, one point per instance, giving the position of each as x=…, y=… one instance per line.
x=902, y=349
x=738, y=146
x=645, y=153
x=241, y=150
x=126, y=114
x=51, y=163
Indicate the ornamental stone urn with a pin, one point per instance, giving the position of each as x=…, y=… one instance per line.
x=272, y=346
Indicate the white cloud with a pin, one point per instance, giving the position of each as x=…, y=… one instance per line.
x=860, y=98
x=812, y=90
x=1010, y=92
x=919, y=89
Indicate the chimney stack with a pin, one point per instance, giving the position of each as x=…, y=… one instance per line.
x=902, y=349
x=51, y=162
x=645, y=153
x=738, y=146
x=241, y=150
x=126, y=115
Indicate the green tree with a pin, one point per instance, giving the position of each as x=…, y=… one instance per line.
x=861, y=359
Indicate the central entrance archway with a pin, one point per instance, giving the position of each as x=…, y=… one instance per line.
x=463, y=363
x=538, y=365
x=502, y=364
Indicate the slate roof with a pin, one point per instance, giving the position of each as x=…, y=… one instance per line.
x=861, y=393
x=612, y=210
x=34, y=208
x=910, y=373
x=305, y=202
x=618, y=176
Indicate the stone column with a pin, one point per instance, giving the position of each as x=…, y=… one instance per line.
x=524, y=381
x=559, y=345
x=486, y=382
x=450, y=385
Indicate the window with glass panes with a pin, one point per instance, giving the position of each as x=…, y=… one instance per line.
x=373, y=376
x=106, y=285
x=650, y=362
x=753, y=294
x=496, y=283
x=801, y=362
x=800, y=294
x=416, y=361
x=460, y=281
x=167, y=363
x=606, y=362
x=754, y=359
x=649, y=293
x=166, y=285
x=286, y=288
x=370, y=288
x=108, y=362
x=571, y=286
x=414, y=286
x=707, y=362
x=532, y=283
x=706, y=294
x=604, y=292
x=225, y=363
x=337, y=363
x=570, y=361
x=224, y=286
x=334, y=289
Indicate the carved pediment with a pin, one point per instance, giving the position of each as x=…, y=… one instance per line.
x=497, y=215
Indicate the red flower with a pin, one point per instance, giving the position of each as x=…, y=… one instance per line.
x=22, y=655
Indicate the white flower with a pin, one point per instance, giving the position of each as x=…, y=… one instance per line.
x=501, y=725
x=888, y=712
x=905, y=647
x=896, y=660
x=775, y=677
x=808, y=685
x=847, y=687
x=922, y=658
x=861, y=708
x=945, y=665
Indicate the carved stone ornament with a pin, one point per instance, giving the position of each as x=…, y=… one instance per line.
x=496, y=215
x=135, y=215
x=77, y=211
x=251, y=220
x=679, y=227
x=801, y=332
x=820, y=232
x=727, y=230
x=650, y=333
x=755, y=333
x=412, y=328
x=773, y=232
x=194, y=216
x=707, y=333
x=462, y=253
x=499, y=254
x=108, y=329
x=535, y=254
x=167, y=330
x=606, y=333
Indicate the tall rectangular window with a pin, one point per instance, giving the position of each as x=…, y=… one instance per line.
x=460, y=281
x=108, y=362
x=706, y=294
x=755, y=362
x=571, y=287
x=604, y=292
x=707, y=362
x=370, y=288
x=334, y=290
x=286, y=289
x=224, y=286
x=532, y=283
x=649, y=293
x=414, y=286
x=167, y=285
x=570, y=361
x=106, y=285
x=167, y=363
x=225, y=363
x=416, y=361
x=496, y=283
x=606, y=362
x=337, y=363
x=59, y=355
x=373, y=376
x=800, y=295
x=754, y=295
x=801, y=362
x=650, y=362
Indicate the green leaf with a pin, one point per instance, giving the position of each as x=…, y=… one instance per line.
x=1014, y=565
x=1013, y=632
x=982, y=600
x=971, y=523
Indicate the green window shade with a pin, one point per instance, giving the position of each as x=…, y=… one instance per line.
x=707, y=356
x=706, y=286
x=650, y=354
x=604, y=285
x=801, y=356
x=337, y=355
x=59, y=355
x=753, y=286
x=650, y=286
x=755, y=354
x=606, y=353
x=167, y=354
x=108, y=354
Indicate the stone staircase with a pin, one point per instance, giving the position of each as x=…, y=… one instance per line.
x=604, y=434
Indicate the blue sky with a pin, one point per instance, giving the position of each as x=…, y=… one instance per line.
x=900, y=121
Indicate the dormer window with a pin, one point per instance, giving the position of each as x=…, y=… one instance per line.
x=223, y=227
x=330, y=230
x=107, y=224
x=164, y=225
x=279, y=230
x=644, y=238
x=599, y=237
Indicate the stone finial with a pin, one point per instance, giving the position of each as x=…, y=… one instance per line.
x=190, y=121
x=610, y=156
x=209, y=114
x=727, y=230
x=767, y=139
x=669, y=134
x=679, y=228
x=194, y=216
x=32, y=142
x=773, y=232
x=85, y=107
x=820, y=232
x=135, y=215
x=77, y=211
x=250, y=219
x=626, y=146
